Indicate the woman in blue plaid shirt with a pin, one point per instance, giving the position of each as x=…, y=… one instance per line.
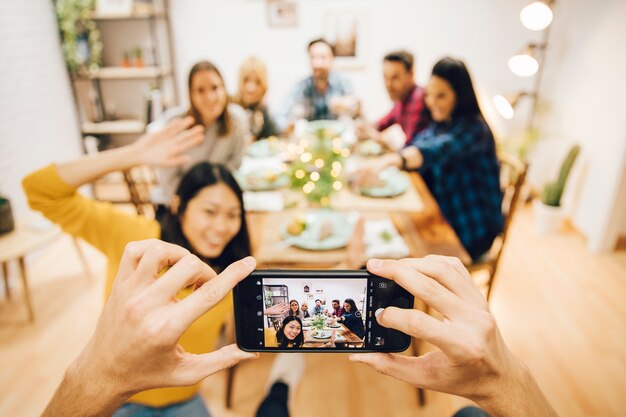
x=456, y=156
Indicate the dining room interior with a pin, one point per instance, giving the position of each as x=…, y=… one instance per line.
x=487, y=138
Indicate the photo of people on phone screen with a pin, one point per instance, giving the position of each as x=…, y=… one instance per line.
x=334, y=318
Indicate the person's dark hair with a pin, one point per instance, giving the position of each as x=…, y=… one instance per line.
x=283, y=341
x=403, y=57
x=316, y=300
x=225, y=121
x=353, y=309
x=455, y=72
x=321, y=40
x=336, y=301
x=291, y=313
x=198, y=177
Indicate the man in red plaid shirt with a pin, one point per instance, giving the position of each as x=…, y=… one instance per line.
x=408, y=97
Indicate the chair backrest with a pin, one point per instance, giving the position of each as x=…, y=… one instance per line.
x=512, y=176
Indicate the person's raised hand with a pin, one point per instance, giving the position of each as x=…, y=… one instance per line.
x=135, y=345
x=277, y=309
x=473, y=360
x=167, y=147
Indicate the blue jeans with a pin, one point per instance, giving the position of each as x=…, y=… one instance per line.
x=194, y=407
x=471, y=412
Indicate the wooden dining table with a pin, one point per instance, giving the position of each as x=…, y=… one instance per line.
x=419, y=222
x=349, y=338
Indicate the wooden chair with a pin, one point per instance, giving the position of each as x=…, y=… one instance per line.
x=512, y=176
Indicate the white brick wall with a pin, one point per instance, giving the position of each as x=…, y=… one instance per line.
x=38, y=121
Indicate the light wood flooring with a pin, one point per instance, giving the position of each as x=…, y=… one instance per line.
x=560, y=308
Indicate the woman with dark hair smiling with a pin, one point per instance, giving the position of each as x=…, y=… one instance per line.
x=206, y=218
x=290, y=333
x=352, y=318
x=225, y=125
x=456, y=156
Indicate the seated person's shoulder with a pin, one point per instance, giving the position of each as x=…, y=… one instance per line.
x=236, y=111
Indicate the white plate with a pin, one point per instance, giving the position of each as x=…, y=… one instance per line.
x=369, y=148
x=309, y=238
x=334, y=127
x=262, y=182
x=265, y=147
x=321, y=334
x=395, y=184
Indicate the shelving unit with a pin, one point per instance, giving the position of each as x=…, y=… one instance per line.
x=111, y=99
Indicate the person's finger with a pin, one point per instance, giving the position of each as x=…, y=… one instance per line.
x=198, y=367
x=157, y=256
x=449, y=272
x=187, y=271
x=418, y=371
x=176, y=126
x=145, y=258
x=418, y=284
x=212, y=292
x=416, y=323
x=131, y=257
x=189, y=138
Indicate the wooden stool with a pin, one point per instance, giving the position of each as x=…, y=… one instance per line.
x=17, y=244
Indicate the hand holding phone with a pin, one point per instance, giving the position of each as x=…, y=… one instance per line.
x=272, y=314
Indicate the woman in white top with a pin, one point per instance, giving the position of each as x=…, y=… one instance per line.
x=225, y=125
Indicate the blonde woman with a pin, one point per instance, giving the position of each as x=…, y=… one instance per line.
x=250, y=96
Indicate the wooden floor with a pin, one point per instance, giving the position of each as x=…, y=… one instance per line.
x=560, y=308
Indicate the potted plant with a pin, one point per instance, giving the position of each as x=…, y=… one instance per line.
x=138, y=52
x=548, y=211
x=6, y=216
x=317, y=172
x=319, y=321
x=81, y=39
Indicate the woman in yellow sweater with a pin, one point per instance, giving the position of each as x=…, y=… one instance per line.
x=207, y=218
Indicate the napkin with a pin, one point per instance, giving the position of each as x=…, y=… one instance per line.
x=376, y=246
x=263, y=200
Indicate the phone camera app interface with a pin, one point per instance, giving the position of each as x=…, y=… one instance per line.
x=314, y=313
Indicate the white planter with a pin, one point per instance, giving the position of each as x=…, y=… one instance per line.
x=548, y=219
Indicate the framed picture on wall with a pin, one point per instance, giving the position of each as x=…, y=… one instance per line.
x=346, y=30
x=282, y=13
x=306, y=287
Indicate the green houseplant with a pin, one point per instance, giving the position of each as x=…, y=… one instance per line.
x=81, y=43
x=317, y=172
x=548, y=212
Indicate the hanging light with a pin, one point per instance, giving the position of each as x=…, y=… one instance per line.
x=525, y=63
x=537, y=15
x=506, y=105
x=503, y=106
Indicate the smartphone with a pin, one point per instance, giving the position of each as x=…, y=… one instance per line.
x=329, y=311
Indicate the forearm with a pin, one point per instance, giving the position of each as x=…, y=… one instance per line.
x=89, y=168
x=413, y=156
x=84, y=392
x=519, y=396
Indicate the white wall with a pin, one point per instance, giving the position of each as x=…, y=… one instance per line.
x=331, y=290
x=585, y=100
x=38, y=123
x=484, y=32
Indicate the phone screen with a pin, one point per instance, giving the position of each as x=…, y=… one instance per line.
x=285, y=310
